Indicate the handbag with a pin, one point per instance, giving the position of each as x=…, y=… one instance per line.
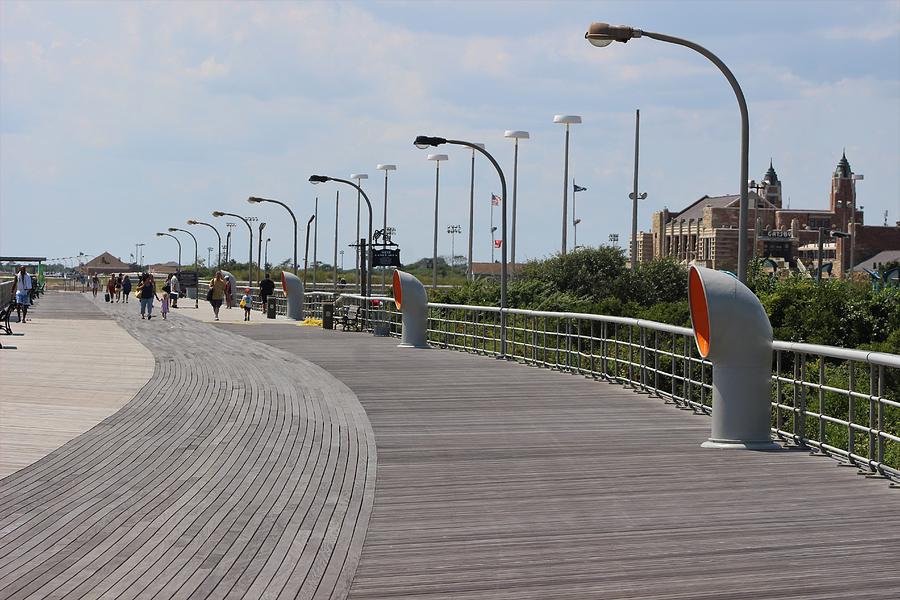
x=167, y=289
x=209, y=295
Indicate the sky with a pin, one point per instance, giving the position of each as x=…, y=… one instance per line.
x=121, y=119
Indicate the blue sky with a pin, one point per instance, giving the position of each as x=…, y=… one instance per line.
x=119, y=119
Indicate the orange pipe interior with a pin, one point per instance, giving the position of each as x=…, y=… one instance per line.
x=398, y=289
x=699, y=312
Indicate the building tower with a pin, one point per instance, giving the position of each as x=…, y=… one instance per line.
x=843, y=193
x=772, y=190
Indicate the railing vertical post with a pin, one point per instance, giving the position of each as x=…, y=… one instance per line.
x=603, y=348
x=778, y=423
x=672, y=357
x=686, y=372
x=801, y=417
x=822, y=400
x=880, y=414
x=656, y=362
x=569, y=344
x=593, y=372
x=872, y=388
x=851, y=410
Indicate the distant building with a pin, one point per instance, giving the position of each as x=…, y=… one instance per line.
x=706, y=231
x=104, y=263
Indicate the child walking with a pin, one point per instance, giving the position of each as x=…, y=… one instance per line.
x=246, y=302
x=164, y=306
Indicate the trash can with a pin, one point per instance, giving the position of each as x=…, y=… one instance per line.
x=270, y=308
x=328, y=315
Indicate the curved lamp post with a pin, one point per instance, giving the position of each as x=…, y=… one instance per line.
x=306, y=252
x=358, y=178
x=515, y=135
x=177, y=241
x=219, y=213
x=422, y=142
x=603, y=34
x=567, y=120
x=196, y=259
x=193, y=222
x=317, y=179
x=385, y=168
x=255, y=200
x=437, y=158
x=469, y=273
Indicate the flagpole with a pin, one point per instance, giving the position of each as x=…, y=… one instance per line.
x=492, y=229
x=574, y=219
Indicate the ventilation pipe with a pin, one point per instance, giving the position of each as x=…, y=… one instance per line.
x=732, y=330
x=293, y=291
x=412, y=302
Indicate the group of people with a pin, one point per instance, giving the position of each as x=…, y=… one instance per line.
x=118, y=287
x=220, y=291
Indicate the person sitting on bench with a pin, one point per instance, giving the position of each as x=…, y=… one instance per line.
x=24, y=286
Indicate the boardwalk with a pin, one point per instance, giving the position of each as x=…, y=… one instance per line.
x=237, y=471
x=494, y=481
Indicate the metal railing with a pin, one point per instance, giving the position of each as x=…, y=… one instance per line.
x=833, y=400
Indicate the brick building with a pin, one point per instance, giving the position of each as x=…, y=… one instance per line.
x=706, y=231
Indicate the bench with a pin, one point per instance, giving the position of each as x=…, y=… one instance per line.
x=350, y=318
x=5, y=313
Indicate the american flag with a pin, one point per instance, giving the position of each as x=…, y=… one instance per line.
x=495, y=201
x=498, y=243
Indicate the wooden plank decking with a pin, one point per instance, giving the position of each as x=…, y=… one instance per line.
x=502, y=481
x=235, y=472
x=243, y=470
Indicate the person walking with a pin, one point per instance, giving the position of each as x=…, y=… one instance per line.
x=95, y=285
x=217, y=290
x=246, y=303
x=175, y=289
x=118, y=287
x=229, y=292
x=126, y=287
x=164, y=306
x=24, y=285
x=266, y=289
x=111, y=287
x=147, y=292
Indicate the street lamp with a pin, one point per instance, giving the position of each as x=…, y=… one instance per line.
x=603, y=34
x=219, y=237
x=567, y=120
x=422, y=142
x=386, y=169
x=516, y=135
x=219, y=213
x=177, y=241
x=196, y=260
x=453, y=230
x=437, y=158
x=306, y=252
x=266, y=259
x=262, y=226
x=317, y=179
x=358, y=178
x=634, y=195
x=831, y=233
x=255, y=200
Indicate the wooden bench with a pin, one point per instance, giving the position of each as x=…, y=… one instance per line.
x=5, y=313
x=350, y=318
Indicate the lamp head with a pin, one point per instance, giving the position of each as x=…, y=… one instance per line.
x=604, y=34
x=424, y=141
x=254, y=200
x=386, y=167
x=317, y=179
x=438, y=157
x=173, y=229
x=567, y=119
x=840, y=234
x=218, y=213
x=358, y=176
x=516, y=134
x=158, y=234
x=191, y=222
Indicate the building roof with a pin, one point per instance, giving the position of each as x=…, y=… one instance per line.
x=843, y=167
x=695, y=210
x=771, y=175
x=105, y=263
x=488, y=268
x=885, y=256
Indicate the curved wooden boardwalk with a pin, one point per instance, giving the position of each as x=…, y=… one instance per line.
x=238, y=471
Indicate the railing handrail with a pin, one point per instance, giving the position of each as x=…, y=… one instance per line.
x=866, y=356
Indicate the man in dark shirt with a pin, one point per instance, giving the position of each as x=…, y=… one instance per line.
x=266, y=289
